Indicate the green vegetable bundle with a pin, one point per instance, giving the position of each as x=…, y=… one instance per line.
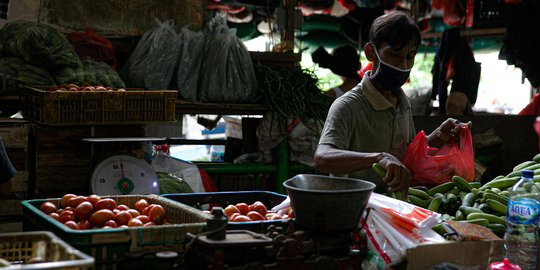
x=92, y=73
x=38, y=44
x=15, y=72
x=292, y=92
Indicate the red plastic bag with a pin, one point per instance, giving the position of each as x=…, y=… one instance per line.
x=431, y=166
x=99, y=48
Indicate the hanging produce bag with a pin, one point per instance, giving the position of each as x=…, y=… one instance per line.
x=153, y=62
x=99, y=48
x=189, y=63
x=431, y=166
x=227, y=71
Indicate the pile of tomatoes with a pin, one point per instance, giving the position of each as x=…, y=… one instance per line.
x=257, y=211
x=94, y=212
x=85, y=88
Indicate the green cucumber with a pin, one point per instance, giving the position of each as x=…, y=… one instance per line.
x=497, y=207
x=501, y=183
x=461, y=183
x=468, y=199
x=442, y=188
x=418, y=193
x=523, y=164
x=491, y=218
x=536, y=158
x=466, y=210
x=475, y=184
x=435, y=204
x=417, y=201
x=497, y=197
x=378, y=169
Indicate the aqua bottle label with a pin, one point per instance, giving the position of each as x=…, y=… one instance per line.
x=523, y=211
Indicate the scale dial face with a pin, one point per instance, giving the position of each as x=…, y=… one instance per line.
x=124, y=175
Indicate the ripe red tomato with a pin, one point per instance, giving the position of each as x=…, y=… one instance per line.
x=141, y=204
x=93, y=199
x=243, y=207
x=259, y=207
x=85, y=224
x=149, y=224
x=75, y=201
x=144, y=219
x=123, y=217
x=55, y=215
x=122, y=207
x=230, y=209
x=241, y=218
x=123, y=226
x=134, y=213
x=65, y=199
x=146, y=210
x=157, y=214
x=107, y=203
x=135, y=223
x=111, y=223
x=66, y=216
x=84, y=210
x=48, y=207
x=255, y=216
x=72, y=224
x=101, y=216
x=233, y=216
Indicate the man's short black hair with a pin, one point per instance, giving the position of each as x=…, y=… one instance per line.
x=395, y=28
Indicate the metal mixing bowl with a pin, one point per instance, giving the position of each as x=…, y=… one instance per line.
x=328, y=204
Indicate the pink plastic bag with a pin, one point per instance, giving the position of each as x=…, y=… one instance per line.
x=431, y=166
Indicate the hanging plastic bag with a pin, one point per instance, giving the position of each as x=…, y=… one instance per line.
x=431, y=166
x=227, y=74
x=189, y=63
x=153, y=62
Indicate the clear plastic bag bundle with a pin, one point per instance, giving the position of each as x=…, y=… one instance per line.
x=227, y=74
x=189, y=63
x=153, y=62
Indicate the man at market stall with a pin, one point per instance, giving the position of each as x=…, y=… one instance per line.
x=7, y=172
x=373, y=122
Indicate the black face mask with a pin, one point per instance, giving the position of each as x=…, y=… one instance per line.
x=387, y=76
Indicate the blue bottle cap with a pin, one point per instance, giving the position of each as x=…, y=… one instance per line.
x=527, y=174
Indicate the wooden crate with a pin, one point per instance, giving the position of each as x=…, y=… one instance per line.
x=69, y=108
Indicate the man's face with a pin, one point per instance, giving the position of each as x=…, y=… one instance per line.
x=402, y=58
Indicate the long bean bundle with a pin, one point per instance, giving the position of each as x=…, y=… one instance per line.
x=292, y=92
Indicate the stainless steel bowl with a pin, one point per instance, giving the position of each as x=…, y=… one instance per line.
x=328, y=204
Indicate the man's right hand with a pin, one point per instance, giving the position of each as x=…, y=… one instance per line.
x=397, y=176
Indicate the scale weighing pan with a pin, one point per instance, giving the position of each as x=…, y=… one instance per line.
x=124, y=175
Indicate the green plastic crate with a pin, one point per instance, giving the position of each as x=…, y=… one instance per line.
x=109, y=246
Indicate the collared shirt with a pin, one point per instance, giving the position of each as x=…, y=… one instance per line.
x=363, y=120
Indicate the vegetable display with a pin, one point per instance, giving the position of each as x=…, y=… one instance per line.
x=257, y=211
x=94, y=212
x=472, y=202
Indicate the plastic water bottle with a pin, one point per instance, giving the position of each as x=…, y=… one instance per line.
x=522, y=222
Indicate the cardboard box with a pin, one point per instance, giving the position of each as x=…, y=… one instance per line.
x=476, y=253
